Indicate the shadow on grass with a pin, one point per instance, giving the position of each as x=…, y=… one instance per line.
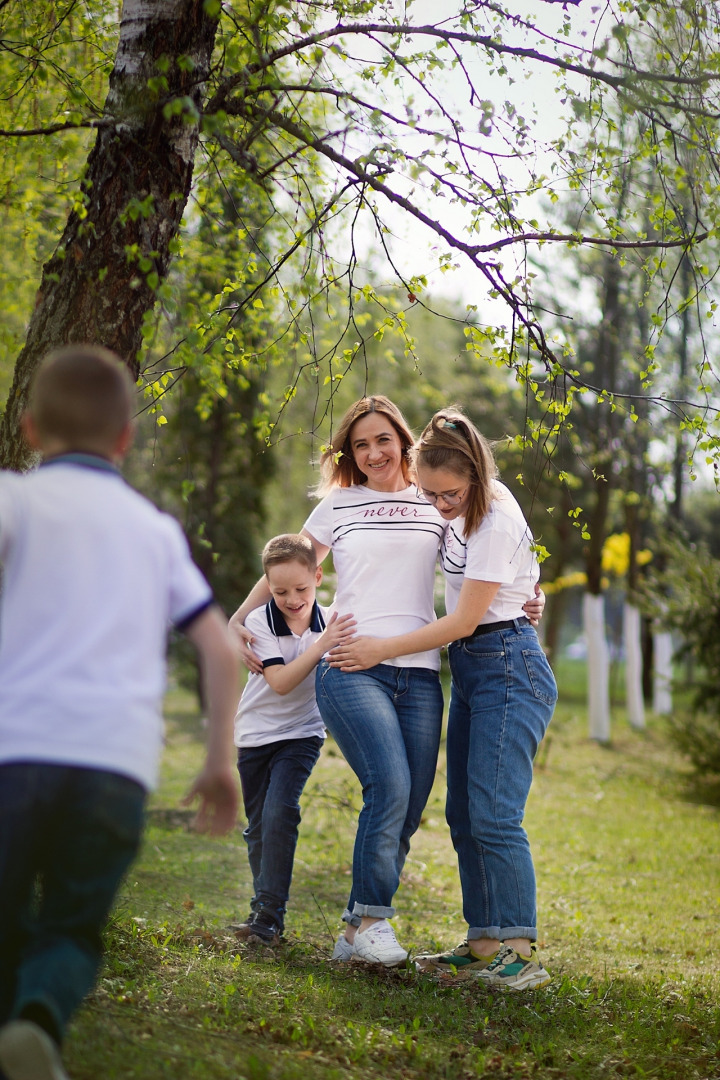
x=702, y=790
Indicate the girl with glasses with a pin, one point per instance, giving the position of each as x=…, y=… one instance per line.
x=503, y=696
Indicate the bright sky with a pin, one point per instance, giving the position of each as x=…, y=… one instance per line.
x=534, y=95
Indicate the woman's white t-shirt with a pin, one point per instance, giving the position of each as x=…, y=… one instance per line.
x=385, y=547
x=500, y=549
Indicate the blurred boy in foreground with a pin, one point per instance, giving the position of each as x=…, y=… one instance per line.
x=92, y=575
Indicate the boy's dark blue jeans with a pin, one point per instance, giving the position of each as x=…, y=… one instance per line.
x=272, y=778
x=67, y=837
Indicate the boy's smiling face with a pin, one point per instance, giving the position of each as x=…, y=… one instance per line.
x=293, y=586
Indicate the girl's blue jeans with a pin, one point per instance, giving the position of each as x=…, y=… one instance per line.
x=386, y=722
x=503, y=696
x=67, y=837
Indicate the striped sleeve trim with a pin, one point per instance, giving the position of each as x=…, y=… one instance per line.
x=189, y=619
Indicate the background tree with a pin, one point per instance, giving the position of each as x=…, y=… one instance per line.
x=103, y=276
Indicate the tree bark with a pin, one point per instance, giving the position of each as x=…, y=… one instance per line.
x=116, y=247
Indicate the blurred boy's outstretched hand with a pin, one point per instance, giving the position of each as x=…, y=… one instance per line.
x=218, y=794
x=217, y=784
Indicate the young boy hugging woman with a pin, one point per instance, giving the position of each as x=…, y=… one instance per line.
x=278, y=729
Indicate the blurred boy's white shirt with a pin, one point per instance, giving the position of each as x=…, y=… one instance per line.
x=93, y=574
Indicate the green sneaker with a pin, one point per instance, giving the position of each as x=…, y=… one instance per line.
x=512, y=971
x=461, y=962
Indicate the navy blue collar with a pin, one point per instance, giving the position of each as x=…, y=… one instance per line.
x=276, y=620
x=88, y=461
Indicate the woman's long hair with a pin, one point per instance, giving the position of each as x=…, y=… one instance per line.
x=337, y=461
x=451, y=441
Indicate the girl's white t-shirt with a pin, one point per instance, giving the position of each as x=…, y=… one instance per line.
x=500, y=549
x=385, y=547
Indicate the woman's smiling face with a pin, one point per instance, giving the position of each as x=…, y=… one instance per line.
x=378, y=453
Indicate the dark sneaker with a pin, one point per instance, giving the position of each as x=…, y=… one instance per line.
x=512, y=971
x=460, y=962
x=243, y=930
x=265, y=926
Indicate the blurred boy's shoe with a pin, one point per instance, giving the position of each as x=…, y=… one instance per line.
x=28, y=1053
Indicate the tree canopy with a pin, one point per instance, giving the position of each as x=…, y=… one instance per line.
x=346, y=118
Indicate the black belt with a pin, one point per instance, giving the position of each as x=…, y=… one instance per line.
x=491, y=627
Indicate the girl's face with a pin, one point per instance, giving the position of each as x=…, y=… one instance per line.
x=447, y=490
x=377, y=452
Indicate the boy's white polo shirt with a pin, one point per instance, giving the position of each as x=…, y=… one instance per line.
x=93, y=574
x=263, y=715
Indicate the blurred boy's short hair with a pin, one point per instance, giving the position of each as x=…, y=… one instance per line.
x=289, y=547
x=82, y=395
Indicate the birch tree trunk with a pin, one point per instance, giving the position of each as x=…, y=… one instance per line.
x=116, y=246
x=632, y=627
x=598, y=663
x=662, y=673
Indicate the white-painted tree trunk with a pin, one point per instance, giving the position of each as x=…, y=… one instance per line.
x=598, y=662
x=632, y=625
x=662, y=672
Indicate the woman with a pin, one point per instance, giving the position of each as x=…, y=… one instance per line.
x=384, y=537
x=503, y=695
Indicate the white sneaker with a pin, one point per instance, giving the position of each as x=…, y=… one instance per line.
x=28, y=1053
x=344, y=950
x=378, y=945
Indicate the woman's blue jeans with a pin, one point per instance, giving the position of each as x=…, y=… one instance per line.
x=503, y=696
x=386, y=722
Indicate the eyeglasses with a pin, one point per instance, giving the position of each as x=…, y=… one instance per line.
x=449, y=500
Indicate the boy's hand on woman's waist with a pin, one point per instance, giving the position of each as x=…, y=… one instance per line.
x=359, y=654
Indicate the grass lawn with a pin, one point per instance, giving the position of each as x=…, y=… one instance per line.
x=628, y=866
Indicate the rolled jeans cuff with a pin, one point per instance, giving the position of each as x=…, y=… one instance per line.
x=502, y=933
x=373, y=911
x=348, y=917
